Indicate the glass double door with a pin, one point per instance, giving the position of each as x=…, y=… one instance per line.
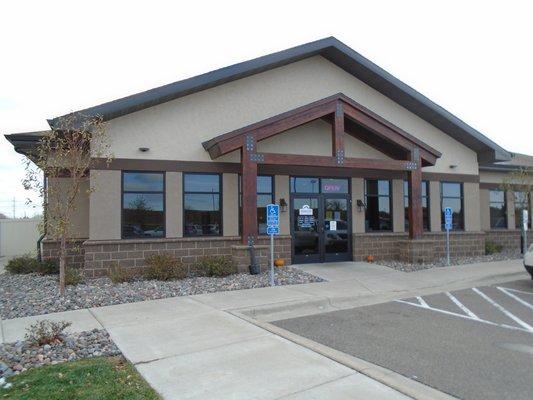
x=321, y=228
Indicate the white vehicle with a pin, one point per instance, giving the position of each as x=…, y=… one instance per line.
x=528, y=260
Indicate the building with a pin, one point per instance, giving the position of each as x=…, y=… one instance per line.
x=360, y=163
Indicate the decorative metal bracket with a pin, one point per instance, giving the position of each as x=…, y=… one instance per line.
x=250, y=143
x=256, y=157
x=340, y=157
x=411, y=166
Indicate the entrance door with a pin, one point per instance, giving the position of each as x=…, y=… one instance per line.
x=321, y=228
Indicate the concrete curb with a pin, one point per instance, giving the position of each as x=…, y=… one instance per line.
x=400, y=383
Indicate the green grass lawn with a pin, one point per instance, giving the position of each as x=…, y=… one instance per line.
x=111, y=378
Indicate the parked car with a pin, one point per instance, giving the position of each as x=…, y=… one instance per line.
x=528, y=260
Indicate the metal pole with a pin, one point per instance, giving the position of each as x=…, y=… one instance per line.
x=448, y=246
x=272, y=260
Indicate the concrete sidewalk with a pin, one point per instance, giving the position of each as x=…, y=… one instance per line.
x=197, y=347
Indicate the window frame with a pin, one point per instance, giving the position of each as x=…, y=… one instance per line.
x=504, y=209
x=164, y=193
x=220, y=202
x=390, y=196
x=427, y=197
x=239, y=197
x=462, y=198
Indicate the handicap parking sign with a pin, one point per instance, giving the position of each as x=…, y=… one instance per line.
x=448, y=218
x=272, y=217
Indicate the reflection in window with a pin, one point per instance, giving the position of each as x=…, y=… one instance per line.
x=378, y=216
x=425, y=204
x=143, y=204
x=201, y=205
x=452, y=196
x=498, y=207
x=521, y=202
x=265, y=196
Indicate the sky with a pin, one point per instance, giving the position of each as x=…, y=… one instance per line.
x=472, y=57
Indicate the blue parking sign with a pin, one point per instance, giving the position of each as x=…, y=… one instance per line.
x=272, y=217
x=272, y=230
x=448, y=218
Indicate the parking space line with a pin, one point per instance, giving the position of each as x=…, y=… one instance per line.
x=422, y=302
x=461, y=305
x=519, y=291
x=521, y=301
x=503, y=310
x=464, y=316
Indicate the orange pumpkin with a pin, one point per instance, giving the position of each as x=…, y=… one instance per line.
x=279, y=262
x=370, y=259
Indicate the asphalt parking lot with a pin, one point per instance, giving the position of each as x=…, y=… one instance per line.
x=475, y=343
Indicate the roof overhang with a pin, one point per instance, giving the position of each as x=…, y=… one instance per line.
x=25, y=142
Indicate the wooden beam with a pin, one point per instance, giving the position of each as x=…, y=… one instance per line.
x=414, y=181
x=337, y=133
x=249, y=191
x=327, y=161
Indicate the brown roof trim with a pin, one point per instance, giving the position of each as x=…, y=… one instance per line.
x=435, y=176
x=165, y=165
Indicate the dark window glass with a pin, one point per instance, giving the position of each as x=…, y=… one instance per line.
x=521, y=202
x=305, y=185
x=452, y=196
x=498, y=209
x=143, y=206
x=202, y=214
x=425, y=204
x=265, y=196
x=378, y=216
x=334, y=185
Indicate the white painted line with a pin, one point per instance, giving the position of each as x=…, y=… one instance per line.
x=523, y=302
x=461, y=306
x=520, y=291
x=515, y=328
x=422, y=302
x=503, y=310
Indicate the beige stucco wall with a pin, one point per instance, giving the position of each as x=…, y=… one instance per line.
x=434, y=206
x=398, y=210
x=471, y=207
x=58, y=188
x=105, y=207
x=358, y=193
x=282, y=191
x=230, y=204
x=510, y=210
x=484, y=209
x=175, y=130
x=174, y=204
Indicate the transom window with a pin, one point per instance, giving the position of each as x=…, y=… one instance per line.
x=202, y=198
x=452, y=196
x=425, y=204
x=143, y=204
x=378, y=215
x=319, y=185
x=498, y=209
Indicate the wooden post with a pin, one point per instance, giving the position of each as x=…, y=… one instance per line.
x=416, y=227
x=249, y=190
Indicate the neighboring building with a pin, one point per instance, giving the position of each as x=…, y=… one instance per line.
x=317, y=126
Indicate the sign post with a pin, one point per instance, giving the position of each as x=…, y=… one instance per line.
x=272, y=217
x=448, y=221
x=525, y=222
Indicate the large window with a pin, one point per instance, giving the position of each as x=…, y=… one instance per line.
x=521, y=202
x=378, y=215
x=498, y=209
x=143, y=204
x=425, y=204
x=202, y=214
x=452, y=196
x=265, y=196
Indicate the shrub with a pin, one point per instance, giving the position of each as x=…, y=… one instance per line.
x=73, y=276
x=119, y=274
x=22, y=265
x=46, y=332
x=164, y=267
x=48, y=267
x=492, y=248
x=217, y=266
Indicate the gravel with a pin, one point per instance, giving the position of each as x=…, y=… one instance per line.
x=26, y=295
x=22, y=355
x=407, y=267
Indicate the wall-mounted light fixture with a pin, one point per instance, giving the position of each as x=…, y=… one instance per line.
x=144, y=149
x=282, y=205
x=360, y=205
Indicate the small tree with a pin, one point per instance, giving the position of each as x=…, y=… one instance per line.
x=520, y=183
x=64, y=155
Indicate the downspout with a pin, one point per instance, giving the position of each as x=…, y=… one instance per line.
x=39, y=241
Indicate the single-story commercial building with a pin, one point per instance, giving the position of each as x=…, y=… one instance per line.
x=360, y=163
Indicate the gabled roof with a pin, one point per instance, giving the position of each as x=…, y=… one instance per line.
x=517, y=161
x=334, y=51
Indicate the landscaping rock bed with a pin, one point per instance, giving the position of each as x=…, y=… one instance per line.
x=407, y=267
x=32, y=294
x=19, y=356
